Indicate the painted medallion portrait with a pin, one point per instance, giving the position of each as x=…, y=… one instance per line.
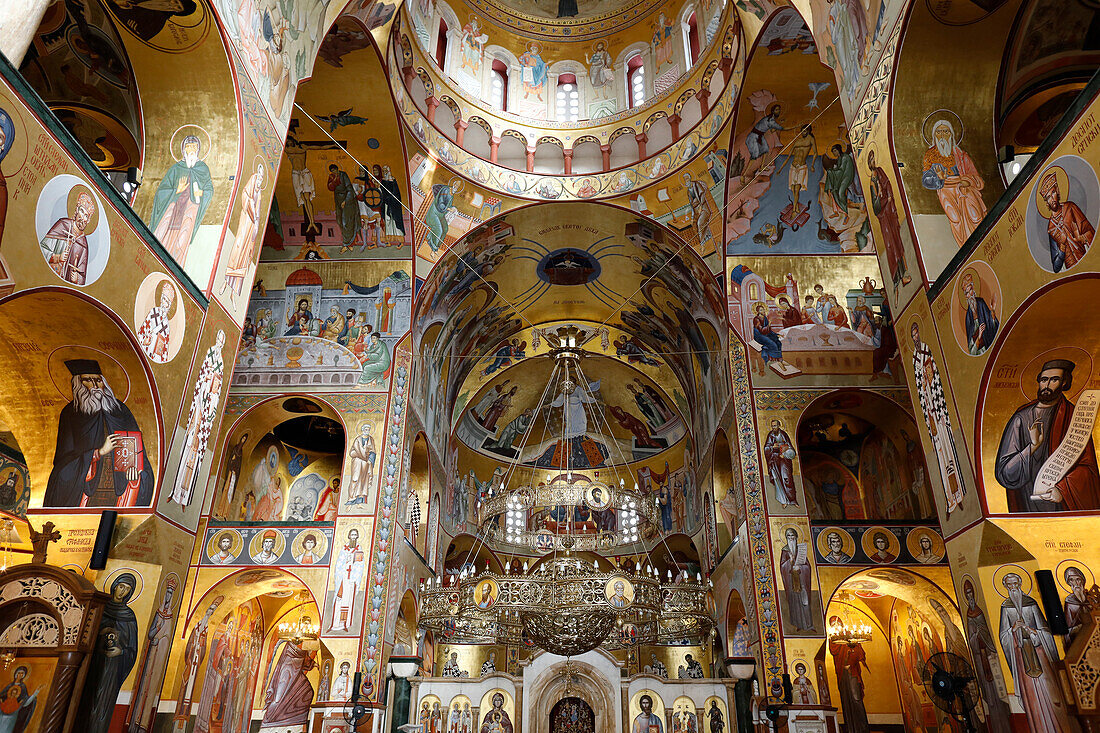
x=836, y=546
x=73, y=234
x=619, y=592
x=224, y=547
x=925, y=545
x=266, y=547
x=1062, y=213
x=976, y=308
x=880, y=545
x=1039, y=407
x=159, y=318
x=486, y=593
x=309, y=547
x=598, y=498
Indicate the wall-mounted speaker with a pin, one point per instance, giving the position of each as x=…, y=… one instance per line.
x=788, y=689
x=357, y=682
x=1052, y=604
x=103, y=536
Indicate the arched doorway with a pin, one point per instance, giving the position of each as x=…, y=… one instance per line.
x=572, y=715
x=911, y=617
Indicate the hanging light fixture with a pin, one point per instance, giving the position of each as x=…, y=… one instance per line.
x=564, y=604
x=301, y=629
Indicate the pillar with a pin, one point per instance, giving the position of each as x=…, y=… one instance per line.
x=642, y=139
x=433, y=104
x=494, y=148
x=674, y=122
x=703, y=95
x=460, y=131
x=530, y=158
x=726, y=66
x=568, y=152
x=409, y=73
x=605, y=151
x=19, y=21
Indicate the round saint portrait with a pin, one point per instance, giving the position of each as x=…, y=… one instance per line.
x=309, y=547
x=544, y=540
x=266, y=547
x=976, y=308
x=13, y=138
x=880, y=545
x=598, y=497
x=619, y=592
x=224, y=547
x=486, y=593
x=925, y=545
x=159, y=318
x=1062, y=213
x=835, y=545
x=73, y=234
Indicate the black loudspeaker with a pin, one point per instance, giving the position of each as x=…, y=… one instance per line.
x=103, y=536
x=356, y=684
x=1052, y=604
x=772, y=713
x=788, y=689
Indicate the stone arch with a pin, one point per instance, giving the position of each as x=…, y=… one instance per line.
x=34, y=396
x=591, y=683
x=249, y=441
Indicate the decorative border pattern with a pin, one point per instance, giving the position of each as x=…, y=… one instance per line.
x=773, y=399
x=763, y=578
x=571, y=29
x=380, y=562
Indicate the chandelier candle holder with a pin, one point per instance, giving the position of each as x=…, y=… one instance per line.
x=561, y=602
x=850, y=633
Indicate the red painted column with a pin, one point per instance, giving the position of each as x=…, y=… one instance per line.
x=642, y=139
x=605, y=150
x=460, y=131
x=494, y=148
x=674, y=122
x=530, y=159
x=568, y=161
x=703, y=95
x=433, y=104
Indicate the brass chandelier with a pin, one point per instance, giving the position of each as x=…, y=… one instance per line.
x=562, y=603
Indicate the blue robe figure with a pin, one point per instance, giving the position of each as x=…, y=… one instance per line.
x=436, y=218
x=771, y=349
x=978, y=314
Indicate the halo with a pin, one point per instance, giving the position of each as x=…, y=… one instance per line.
x=1063, y=188
x=261, y=162
x=867, y=541
x=206, y=147
x=15, y=152
x=138, y=587
x=70, y=206
x=977, y=279
x=1059, y=573
x=297, y=546
x=457, y=184
x=236, y=546
x=847, y=542
x=256, y=543
x=934, y=117
x=62, y=380
x=1081, y=375
x=998, y=576
x=159, y=290
x=800, y=660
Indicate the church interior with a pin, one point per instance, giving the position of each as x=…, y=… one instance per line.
x=549, y=366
